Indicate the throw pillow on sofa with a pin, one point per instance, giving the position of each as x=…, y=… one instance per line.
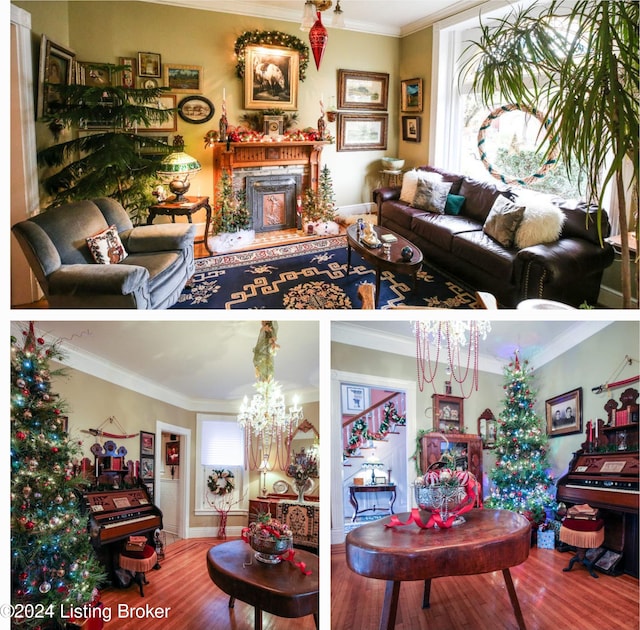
x=542, y=223
x=454, y=204
x=503, y=221
x=106, y=247
x=410, y=183
x=431, y=195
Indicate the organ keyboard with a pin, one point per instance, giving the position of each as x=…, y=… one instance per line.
x=117, y=514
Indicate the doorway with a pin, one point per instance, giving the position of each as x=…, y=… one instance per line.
x=172, y=482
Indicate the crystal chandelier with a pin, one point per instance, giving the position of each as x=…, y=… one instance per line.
x=266, y=419
x=455, y=338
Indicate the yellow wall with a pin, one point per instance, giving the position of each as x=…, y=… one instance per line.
x=90, y=401
x=100, y=31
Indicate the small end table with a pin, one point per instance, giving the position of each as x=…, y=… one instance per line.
x=187, y=207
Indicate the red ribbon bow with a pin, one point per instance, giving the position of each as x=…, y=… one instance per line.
x=435, y=518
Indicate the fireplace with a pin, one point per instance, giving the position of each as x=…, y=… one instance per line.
x=272, y=200
x=273, y=175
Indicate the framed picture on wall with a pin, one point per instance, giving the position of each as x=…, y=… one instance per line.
x=147, y=443
x=448, y=413
x=362, y=132
x=167, y=102
x=184, y=79
x=355, y=399
x=147, y=468
x=149, y=64
x=363, y=90
x=564, y=413
x=273, y=84
x=411, y=128
x=172, y=452
x=57, y=67
x=411, y=95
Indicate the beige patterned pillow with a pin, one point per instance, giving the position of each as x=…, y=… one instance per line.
x=106, y=247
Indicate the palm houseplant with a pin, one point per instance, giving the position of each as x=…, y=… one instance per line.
x=106, y=155
x=577, y=61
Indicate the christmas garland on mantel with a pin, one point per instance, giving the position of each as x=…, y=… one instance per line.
x=271, y=38
x=360, y=430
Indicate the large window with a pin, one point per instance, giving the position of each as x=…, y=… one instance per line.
x=220, y=446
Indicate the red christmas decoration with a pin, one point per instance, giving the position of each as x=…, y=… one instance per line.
x=318, y=37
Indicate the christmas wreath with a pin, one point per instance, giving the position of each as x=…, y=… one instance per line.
x=271, y=38
x=221, y=482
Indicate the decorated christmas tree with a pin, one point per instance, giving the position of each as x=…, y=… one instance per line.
x=320, y=205
x=520, y=481
x=53, y=568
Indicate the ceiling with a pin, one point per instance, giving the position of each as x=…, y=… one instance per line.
x=381, y=17
x=187, y=363
x=200, y=364
x=537, y=341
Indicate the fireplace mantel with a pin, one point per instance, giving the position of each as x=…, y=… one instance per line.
x=237, y=155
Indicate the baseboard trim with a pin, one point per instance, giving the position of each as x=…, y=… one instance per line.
x=612, y=298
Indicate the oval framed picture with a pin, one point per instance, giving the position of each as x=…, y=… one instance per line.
x=196, y=109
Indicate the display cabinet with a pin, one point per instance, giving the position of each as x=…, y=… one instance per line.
x=467, y=450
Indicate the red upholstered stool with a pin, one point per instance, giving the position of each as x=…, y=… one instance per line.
x=582, y=534
x=138, y=563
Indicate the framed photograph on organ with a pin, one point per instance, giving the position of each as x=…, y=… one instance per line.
x=362, y=132
x=564, y=413
x=273, y=83
x=448, y=413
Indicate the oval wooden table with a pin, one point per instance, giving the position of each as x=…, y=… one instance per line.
x=490, y=540
x=280, y=589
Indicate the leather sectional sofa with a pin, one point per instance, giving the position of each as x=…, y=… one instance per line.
x=568, y=270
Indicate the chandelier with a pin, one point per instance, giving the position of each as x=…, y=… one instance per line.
x=266, y=419
x=459, y=341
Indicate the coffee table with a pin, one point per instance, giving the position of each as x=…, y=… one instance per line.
x=489, y=540
x=380, y=261
x=280, y=589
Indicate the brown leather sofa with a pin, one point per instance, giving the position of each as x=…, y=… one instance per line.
x=568, y=270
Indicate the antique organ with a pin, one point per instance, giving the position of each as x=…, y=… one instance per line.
x=605, y=472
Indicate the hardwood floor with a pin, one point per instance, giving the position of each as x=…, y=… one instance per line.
x=194, y=601
x=550, y=599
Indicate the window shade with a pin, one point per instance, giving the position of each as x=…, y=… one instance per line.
x=222, y=444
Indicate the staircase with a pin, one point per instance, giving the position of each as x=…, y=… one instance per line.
x=376, y=431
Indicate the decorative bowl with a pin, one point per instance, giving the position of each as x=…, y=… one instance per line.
x=442, y=498
x=269, y=549
x=392, y=164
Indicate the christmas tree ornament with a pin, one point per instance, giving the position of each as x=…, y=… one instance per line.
x=318, y=37
x=45, y=587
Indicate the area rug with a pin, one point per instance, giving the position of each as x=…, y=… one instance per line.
x=311, y=275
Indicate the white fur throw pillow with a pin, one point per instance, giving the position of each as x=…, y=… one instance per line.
x=542, y=223
x=410, y=183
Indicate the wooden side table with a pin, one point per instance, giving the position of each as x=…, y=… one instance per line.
x=187, y=207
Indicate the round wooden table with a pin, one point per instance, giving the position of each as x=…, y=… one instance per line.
x=280, y=589
x=490, y=540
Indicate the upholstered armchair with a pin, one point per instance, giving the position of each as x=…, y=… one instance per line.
x=146, y=266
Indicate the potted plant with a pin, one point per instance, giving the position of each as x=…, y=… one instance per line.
x=231, y=221
x=318, y=207
x=108, y=161
x=581, y=62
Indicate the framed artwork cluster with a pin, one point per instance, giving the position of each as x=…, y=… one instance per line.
x=365, y=128
x=411, y=104
x=147, y=460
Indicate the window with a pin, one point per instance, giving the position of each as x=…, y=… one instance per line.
x=220, y=443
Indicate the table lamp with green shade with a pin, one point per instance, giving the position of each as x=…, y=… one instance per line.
x=176, y=168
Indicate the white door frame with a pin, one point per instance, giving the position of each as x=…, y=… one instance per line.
x=338, y=377
x=184, y=479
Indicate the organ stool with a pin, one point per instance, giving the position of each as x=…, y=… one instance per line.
x=138, y=563
x=582, y=534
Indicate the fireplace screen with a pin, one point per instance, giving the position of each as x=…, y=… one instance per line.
x=272, y=199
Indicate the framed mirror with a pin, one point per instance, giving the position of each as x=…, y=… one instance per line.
x=487, y=428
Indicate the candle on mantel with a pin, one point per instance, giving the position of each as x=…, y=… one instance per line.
x=589, y=431
x=596, y=430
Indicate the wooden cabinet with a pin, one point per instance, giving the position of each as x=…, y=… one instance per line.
x=467, y=450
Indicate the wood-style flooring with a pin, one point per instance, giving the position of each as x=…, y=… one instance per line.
x=550, y=599
x=195, y=603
